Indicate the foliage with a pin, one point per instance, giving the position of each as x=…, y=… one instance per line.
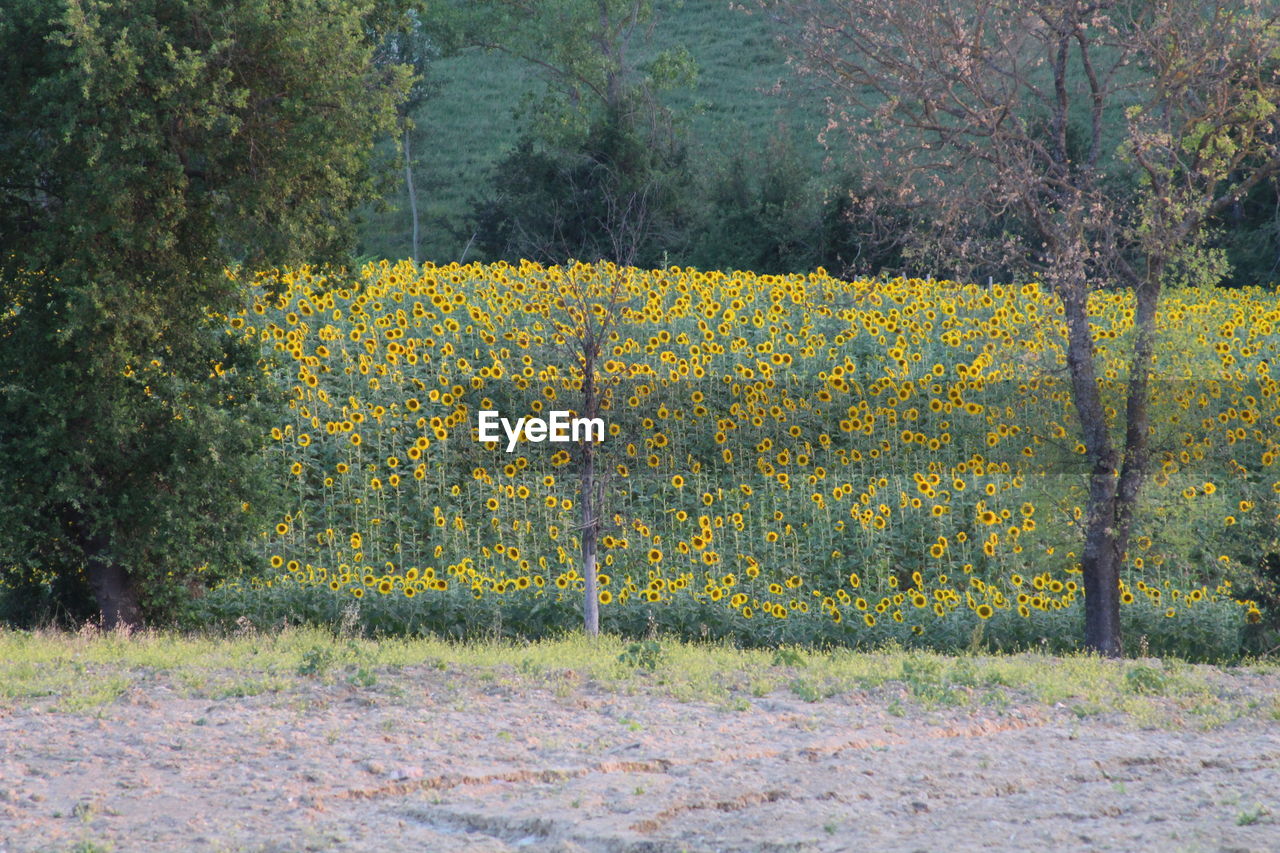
x=1146, y=679
x=408, y=45
x=485, y=105
x=645, y=655
x=599, y=169
x=586, y=52
x=734, y=118
x=1210, y=630
x=769, y=211
x=1249, y=234
x=615, y=194
x=143, y=146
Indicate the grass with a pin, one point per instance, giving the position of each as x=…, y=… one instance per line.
x=85, y=672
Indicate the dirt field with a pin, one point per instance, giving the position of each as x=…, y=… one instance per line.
x=431, y=760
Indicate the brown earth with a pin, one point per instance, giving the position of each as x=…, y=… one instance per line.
x=439, y=761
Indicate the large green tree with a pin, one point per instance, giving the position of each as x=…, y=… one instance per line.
x=145, y=146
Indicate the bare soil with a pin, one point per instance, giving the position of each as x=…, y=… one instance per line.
x=430, y=760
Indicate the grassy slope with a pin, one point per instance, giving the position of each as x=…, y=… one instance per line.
x=469, y=124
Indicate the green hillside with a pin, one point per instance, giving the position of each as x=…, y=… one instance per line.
x=469, y=123
x=761, y=189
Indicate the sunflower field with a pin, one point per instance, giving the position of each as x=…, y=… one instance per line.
x=787, y=458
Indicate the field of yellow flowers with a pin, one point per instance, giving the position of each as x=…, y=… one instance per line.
x=787, y=459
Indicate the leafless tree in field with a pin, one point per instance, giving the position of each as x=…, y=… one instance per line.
x=1111, y=130
x=591, y=302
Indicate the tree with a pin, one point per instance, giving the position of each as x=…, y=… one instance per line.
x=411, y=47
x=1113, y=131
x=600, y=169
x=585, y=50
x=592, y=298
x=612, y=196
x=144, y=147
x=1249, y=233
x=763, y=209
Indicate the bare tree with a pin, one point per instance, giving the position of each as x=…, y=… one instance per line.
x=591, y=301
x=1110, y=130
x=410, y=45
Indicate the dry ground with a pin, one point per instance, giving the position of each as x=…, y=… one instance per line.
x=425, y=758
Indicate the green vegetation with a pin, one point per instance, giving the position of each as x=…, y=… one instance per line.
x=765, y=194
x=144, y=147
x=755, y=194
x=929, y=493
x=1213, y=631
x=83, y=673
x=862, y=462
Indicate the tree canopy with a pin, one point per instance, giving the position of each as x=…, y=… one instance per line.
x=145, y=147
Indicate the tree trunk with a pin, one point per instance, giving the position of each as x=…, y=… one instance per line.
x=1137, y=453
x=413, y=194
x=590, y=535
x=589, y=511
x=112, y=588
x=1100, y=562
x=1107, y=540
x=1101, y=567
x=114, y=591
x=1113, y=488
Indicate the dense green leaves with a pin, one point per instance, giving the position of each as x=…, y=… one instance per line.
x=144, y=146
x=601, y=169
